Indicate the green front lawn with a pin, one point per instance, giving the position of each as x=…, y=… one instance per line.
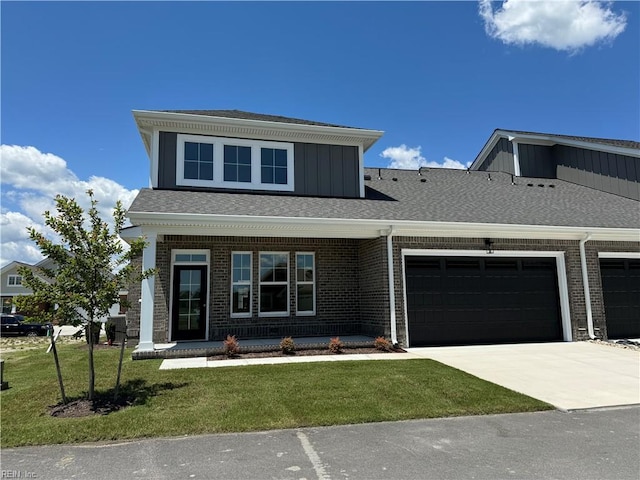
x=236, y=399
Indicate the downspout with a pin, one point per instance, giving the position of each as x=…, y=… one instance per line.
x=392, y=290
x=585, y=284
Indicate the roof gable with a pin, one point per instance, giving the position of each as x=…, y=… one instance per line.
x=621, y=147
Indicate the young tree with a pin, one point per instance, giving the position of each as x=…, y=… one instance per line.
x=92, y=265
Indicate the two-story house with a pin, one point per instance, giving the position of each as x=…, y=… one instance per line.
x=265, y=226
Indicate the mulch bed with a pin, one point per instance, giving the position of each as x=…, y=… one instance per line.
x=302, y=353
x=101, y=405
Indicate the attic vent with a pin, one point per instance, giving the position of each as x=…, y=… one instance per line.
x=423, y=180
x=541, y=184
x=552, y=186
x=529, y=184
x=367, y=177
x=394, y=179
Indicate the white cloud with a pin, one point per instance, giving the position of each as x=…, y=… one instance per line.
x=30, y=181
x=406, y=158
x=558, y=24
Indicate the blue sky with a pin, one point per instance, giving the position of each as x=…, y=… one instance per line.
x=437, y=77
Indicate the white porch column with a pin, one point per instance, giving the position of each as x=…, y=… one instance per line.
x=148, y=289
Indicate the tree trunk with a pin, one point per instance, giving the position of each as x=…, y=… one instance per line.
x=92, y=379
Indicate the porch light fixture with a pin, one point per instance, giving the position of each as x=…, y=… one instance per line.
x=488, y=244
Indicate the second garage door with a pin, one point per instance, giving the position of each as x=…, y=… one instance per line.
x=469, y=300
x=621, y=291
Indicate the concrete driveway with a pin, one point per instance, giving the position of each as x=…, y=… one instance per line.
x=569, y=376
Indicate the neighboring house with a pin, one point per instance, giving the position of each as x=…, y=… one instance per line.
x=11, y=282
x=11, y=286
x=265, y=226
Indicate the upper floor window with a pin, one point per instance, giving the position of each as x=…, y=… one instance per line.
x=198, y=161
x=218, y=162
x=237, y=163
x=14, y=280
x=273, y=166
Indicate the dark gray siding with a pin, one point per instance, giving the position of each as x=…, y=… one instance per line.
x=500, y=158
x=326, y=170
x=618, y=174
x=320, y=170
x=536, y=161
x=167, y=160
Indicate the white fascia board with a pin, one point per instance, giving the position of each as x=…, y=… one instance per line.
x=359, y=228
x=260, y=129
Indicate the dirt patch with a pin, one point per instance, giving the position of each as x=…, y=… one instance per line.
x=303, y=353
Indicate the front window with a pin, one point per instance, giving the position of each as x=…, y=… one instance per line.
x=237, y=163
x=198, y=161
x=274, y=283
x=305, y=284
x=14, y=280
x=241, y=284
x=274, y=166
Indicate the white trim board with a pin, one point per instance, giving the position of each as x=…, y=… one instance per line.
x=619, y=255
x=563, y=289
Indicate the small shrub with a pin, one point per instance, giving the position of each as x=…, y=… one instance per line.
x=230, y=346
x=335, y=345
x=287, y=345
x=381, y=343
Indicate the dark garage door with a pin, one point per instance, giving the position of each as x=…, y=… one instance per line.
x=468, y=300
x=621, y=291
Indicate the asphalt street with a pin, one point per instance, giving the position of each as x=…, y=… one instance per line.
x=590, y=444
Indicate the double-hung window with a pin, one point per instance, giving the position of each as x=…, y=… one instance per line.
x=14, y=280
x=218, y=162
x=274, y=283
x=305, y=284
x=241, y=284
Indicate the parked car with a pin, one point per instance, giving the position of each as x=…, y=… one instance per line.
x=14, y=324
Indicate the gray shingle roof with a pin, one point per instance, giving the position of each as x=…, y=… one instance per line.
x=600, y=141
x=444, y=196
x=255, y=116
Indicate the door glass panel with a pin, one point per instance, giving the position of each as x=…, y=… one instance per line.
x=190, y=299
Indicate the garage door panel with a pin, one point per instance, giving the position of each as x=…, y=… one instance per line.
x=621, y=293
x=482, y=300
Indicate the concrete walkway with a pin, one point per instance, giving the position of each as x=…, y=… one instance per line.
x=569, y=376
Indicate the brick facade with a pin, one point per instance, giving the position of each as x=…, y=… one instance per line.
x=351, y=283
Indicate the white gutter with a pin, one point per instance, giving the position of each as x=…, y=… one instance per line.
x=585, y=284
x=392, y=290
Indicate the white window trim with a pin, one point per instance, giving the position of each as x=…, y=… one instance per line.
x=563, y=288
x=15, y=277
x=306, y=313
x=249, y=283
x=207, y=263
x=260, y=283
x=218, y=163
